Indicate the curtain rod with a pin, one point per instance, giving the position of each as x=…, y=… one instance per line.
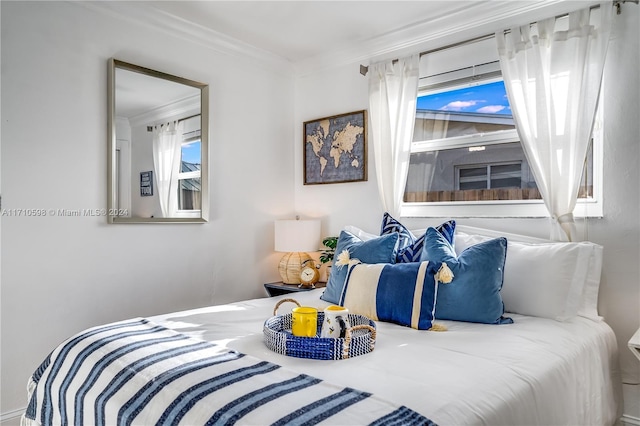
x=150, y=128
x=364, y=69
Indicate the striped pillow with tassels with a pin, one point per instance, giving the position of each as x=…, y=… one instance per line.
x=403, y=293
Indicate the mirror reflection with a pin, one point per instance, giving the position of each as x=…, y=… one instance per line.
x=158, y=146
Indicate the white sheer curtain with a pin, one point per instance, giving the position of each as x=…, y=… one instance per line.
x=552, y=72
x=167, y=147
x=393, y=88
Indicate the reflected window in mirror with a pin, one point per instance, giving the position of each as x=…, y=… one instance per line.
x=189, y=179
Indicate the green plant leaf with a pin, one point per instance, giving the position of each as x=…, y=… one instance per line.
x=330, y=243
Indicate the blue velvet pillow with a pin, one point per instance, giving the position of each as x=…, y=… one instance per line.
x=378, y=250
x=402, y=293
x=474, y=293
x=410, y=248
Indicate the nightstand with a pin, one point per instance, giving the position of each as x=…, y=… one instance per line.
x=279, y=288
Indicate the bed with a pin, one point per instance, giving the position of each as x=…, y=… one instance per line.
x=541, y=369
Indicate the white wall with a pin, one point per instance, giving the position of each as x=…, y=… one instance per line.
x=335, y=91
x=142, y=160
x=63, y=274
x=343, y=89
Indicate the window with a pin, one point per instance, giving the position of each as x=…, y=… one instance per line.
x=189, y=177
x=466, y=157
x=489, y=176
x=189, y=197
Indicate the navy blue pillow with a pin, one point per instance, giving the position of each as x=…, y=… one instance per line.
x=378, y=250
x=474, y=293
x=409, y=247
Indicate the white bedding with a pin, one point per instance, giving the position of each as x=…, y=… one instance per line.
x=536, y=371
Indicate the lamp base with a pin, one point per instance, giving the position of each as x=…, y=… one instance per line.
x=291, y=265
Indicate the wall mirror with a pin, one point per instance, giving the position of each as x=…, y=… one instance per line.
x=158, y=146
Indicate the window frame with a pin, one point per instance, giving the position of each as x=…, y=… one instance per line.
x=188, y=138
x=585, y=207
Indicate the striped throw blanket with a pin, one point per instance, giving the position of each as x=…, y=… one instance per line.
x=137, y=372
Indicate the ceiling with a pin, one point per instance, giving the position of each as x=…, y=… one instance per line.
x=299, y=30
x=305, y=36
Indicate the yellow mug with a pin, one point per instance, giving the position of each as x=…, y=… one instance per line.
x=305, y=321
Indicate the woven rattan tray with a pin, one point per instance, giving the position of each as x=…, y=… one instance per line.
x=359, y=339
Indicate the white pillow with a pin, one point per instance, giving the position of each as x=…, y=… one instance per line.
x=364, y=236
x=547, y=279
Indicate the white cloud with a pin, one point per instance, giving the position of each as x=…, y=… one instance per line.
x=458, y=105
x=491, y=109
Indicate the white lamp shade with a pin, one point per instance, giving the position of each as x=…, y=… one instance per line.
x=297, y=235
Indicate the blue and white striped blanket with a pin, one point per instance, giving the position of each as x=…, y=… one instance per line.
x=137, y=372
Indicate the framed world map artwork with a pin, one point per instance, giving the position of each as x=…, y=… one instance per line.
x=335, y=149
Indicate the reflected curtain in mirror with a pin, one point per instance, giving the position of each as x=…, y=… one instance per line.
x=167, y=141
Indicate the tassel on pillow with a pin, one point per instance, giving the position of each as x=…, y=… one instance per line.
x=445, y=276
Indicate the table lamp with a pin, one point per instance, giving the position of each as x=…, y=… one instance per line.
x=295, y=237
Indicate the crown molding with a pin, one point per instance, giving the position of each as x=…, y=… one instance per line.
x=144, y=14
x=440, y=30
x=468, y=21
x=176, y=110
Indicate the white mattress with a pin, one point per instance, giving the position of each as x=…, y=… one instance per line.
x=534, y=372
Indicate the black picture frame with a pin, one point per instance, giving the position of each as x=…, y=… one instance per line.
x=146, y=184
x=335, y=149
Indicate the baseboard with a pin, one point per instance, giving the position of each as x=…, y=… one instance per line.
x=630, y=420
x=14, y=414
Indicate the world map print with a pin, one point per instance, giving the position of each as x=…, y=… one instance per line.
x=335, y=149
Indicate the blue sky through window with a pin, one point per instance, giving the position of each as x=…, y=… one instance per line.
x=191, y=152
x=490, y=98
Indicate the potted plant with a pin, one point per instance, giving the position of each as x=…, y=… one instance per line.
x=326, y=255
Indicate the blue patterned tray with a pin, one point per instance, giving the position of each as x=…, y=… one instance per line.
x=360, y=338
